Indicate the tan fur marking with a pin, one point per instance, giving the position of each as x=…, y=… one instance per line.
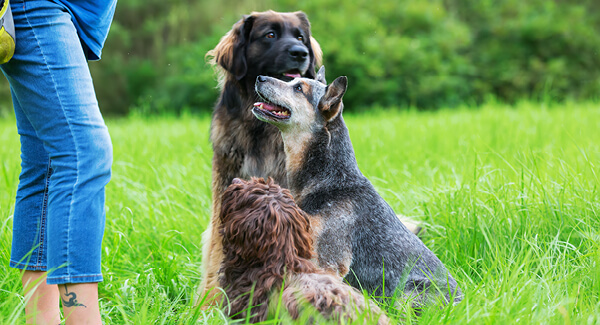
x=334, y=257
x=295, y=150
x=212, y=256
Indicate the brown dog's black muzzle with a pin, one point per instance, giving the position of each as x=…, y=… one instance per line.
x=298, y=53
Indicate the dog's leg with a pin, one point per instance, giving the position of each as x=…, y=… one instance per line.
x=334, y=251
x=212, y=242
x=212, y=256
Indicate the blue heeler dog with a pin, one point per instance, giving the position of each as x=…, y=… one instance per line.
x=357, y=234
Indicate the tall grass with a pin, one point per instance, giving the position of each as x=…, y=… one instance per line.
x=510, y=197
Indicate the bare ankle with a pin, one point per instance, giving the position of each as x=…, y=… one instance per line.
x=41, y=299
x=80, y=303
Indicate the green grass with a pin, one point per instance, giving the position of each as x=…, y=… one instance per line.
x=510, y=197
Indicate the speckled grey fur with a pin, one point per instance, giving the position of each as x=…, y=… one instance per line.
x=354, y=226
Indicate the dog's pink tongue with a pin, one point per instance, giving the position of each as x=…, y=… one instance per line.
x=292, y=75
x=263, y=105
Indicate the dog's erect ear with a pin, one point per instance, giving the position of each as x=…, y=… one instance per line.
x=331, y=103
x=230, y=53
x=321, y=75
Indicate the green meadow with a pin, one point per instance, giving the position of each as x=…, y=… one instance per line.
x=509, y=197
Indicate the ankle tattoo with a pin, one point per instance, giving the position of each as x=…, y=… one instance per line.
x=72, y=302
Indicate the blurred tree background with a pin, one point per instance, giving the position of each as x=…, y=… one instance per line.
x=401, y=53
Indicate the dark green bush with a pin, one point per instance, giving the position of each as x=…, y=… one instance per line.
x=432, y=53
x=533, y=48
x=152, y=45
x=399, y=53
x=417, y=53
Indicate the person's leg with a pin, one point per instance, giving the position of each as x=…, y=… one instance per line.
x=42, y=299
x=80, y=303
x=29, y=242
x=51, y=81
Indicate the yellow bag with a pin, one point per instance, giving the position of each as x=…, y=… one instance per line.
x=7, y=32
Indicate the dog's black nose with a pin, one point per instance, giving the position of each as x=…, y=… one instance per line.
x=261, y=78
x=298, y=52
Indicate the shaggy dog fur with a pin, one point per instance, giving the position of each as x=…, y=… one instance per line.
x=262, y=43
x=267, y=245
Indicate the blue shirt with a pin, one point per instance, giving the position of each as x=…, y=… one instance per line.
x=92, y=19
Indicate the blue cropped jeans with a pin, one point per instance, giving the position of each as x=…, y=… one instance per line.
x=66, y=152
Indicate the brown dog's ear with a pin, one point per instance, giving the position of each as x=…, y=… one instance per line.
x=230, y=53
x=316, y=55
x=330, y=104
x=314, y=49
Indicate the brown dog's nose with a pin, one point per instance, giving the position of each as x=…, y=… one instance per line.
x=261, y=78
x=298, y=52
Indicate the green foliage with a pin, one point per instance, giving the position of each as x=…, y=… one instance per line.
x=398, y=53
x=410, y=53
x=509, y=196
x=535, y=48
x=436, y=53
x=154, y=56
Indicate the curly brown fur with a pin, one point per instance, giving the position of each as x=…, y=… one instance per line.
x=242, y=146
x=267, y=244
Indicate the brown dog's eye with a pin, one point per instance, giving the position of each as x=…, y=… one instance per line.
x=300, y=38
x=270, y=35
x=298, y=88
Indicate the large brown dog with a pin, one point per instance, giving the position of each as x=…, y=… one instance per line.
x=263, y=43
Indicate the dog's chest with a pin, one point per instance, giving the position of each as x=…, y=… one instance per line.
x=268, y=164
x=249, y=147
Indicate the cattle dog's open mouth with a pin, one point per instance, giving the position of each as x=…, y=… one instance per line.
x=271, y=111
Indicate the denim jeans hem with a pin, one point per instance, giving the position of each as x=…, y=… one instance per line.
x=28, y=267
x=75, y=279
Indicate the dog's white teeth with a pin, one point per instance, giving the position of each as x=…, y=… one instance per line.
x=282, y=113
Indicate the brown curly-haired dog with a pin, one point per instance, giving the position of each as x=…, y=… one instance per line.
x=267, y=244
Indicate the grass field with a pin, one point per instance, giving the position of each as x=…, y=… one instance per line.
x=510, y=197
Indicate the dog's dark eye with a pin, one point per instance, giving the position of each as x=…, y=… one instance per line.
x=300, y=38
x=298, y=88
x=270, y=35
